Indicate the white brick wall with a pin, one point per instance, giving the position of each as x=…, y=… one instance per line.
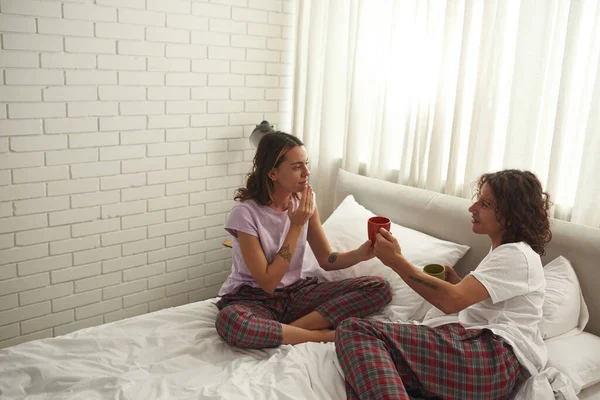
x=124, y=131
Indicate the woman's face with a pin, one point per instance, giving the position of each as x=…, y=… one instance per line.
x=483, y=214
x=292, y=174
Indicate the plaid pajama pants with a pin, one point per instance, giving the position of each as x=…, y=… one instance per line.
x=393, y=361
x=251, y=318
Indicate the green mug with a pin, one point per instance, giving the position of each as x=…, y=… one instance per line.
x=436, y=270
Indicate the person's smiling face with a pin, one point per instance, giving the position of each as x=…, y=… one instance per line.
x=483, y=215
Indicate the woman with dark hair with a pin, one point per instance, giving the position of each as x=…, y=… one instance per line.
x=496, y=342
x=265, y=302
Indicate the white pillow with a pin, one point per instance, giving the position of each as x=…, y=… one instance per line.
x=578, y=357
x=346, y=229
x=565, y=311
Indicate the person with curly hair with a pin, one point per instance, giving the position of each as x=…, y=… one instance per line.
x=265, y=302
x=496, y=342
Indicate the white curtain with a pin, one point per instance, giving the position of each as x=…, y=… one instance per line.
x=434, y=93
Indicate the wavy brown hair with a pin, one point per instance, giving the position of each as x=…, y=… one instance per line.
x=522, y=207
x=270, y=153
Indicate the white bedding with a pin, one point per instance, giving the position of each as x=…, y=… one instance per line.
x=176, y=354
x=169, y=354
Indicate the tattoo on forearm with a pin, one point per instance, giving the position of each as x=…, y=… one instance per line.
x=285, y=253
x=429, y=285
x=332, y=257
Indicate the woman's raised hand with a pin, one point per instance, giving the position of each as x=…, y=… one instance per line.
x=300, y=215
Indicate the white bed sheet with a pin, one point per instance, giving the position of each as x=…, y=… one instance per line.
x=169, y=354
x=176, y=354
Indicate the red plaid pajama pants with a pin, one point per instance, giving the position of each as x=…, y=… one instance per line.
x=251, y=318
x=393, y=361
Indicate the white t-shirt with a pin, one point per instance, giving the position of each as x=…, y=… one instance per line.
x=513, y=276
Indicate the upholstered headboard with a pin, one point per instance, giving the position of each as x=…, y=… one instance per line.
x=446, y=217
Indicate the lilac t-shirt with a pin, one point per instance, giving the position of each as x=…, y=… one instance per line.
x=270, y=227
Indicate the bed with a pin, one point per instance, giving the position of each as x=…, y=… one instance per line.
x=176, y=353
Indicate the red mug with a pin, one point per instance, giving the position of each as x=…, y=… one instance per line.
x=376, y=223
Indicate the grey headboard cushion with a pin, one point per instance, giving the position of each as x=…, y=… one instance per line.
x=447, y=217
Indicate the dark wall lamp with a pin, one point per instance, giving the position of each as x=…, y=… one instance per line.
x=261, y=130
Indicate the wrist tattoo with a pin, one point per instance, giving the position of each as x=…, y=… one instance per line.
x=285, y=253
x=429, y=285
x=332, y=257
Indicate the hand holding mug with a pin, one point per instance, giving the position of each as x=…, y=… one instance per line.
x=451, y=275
x=366, y=251
x=387, y=248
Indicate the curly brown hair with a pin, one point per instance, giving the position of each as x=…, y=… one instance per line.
x=521, y=206
x=270, y=153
